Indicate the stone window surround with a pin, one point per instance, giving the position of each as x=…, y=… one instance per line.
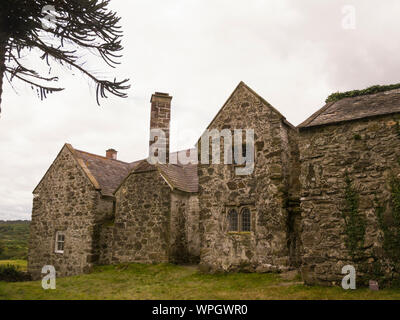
x=239, y=209
x=57, y=241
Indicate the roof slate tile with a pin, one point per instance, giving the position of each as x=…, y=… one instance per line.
x=347, y=109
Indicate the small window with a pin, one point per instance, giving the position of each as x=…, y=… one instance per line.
x=60, y=239
x=246, y=221
x=233, y=220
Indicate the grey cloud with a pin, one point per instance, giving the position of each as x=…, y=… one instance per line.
x=293, y=53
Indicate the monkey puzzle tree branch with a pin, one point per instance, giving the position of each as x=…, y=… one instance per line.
x=114, y=87
x=81, y=24
x=3, y=43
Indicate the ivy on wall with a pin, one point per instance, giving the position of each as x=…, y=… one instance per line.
x=355, y=93
x=355, y=223
x=390, y=224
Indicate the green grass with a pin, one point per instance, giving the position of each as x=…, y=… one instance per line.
x=164, y=281
x=14, y=237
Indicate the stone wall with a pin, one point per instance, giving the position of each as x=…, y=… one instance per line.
x=65, y=201
x=265, y=192
x=105, y=243
x=368, y=150
x=141, y=229
x=184, y=228
x=193, y=228
x=103, y=229
x=293, y=200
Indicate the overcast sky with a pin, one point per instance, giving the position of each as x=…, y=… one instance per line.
x=294, y=53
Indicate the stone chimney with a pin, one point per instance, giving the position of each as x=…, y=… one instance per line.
x=161, y=116
x=111, y=154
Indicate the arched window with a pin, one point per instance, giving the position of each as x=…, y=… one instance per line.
x=246, y=219
x=233, y=220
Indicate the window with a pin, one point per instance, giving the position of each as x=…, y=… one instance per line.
x=233, y=220
x=60, y=239
x=239, y=219
x=246, y=222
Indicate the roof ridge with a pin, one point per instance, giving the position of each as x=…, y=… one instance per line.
x=371, y=90
x=355, y=108
x=102, y=157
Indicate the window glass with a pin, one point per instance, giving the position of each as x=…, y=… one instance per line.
x=60, y=240
x=246, y=222
x=233, y=220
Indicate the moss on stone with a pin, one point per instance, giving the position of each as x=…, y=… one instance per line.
x=356, y=93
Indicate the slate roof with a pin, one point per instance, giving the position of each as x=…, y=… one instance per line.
x=178, y=176
x=181, y=177
x=347, y=109
x=109, y=173
x=144, y=166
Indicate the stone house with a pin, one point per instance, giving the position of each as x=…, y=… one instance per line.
x=248, y=222
x=358, y=136
x=285, y=214
x=72, y=199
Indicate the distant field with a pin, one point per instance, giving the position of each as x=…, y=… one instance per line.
x=14, y=237
x=21, y=264
x=164, y=281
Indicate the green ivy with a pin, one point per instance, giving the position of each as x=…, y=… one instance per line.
x=391, y=225
x=355, y=93
x=355, y=223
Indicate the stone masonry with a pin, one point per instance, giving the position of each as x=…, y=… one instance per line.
x=364, y=148
x=286, y=214
x=64, y=201
x=266, y=192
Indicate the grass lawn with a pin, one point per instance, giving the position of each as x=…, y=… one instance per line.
x=164, y=281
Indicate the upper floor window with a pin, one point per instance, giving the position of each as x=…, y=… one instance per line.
x=60, y=240
x=233, y=220
x=246, y=221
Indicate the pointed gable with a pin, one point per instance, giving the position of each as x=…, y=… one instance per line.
x=243, y=87
x=103, y=173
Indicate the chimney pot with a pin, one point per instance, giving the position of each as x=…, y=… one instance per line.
x=111, y=154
